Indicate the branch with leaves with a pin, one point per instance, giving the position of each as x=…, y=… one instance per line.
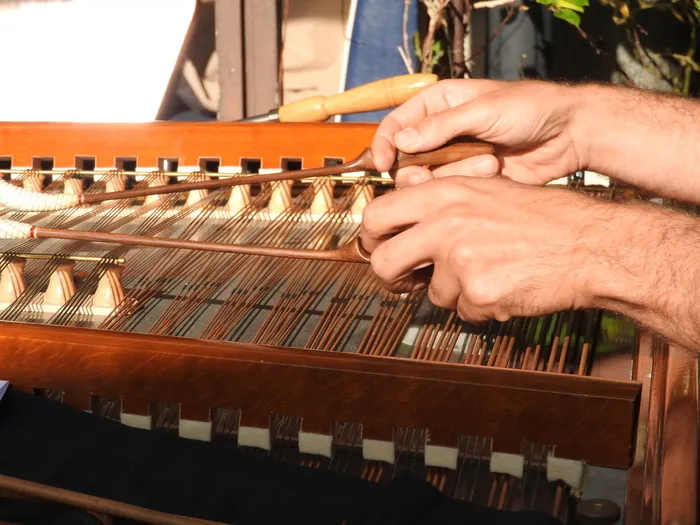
x=452, y=17
x=567, y=10
x=442, y=46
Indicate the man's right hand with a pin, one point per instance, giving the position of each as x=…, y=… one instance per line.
x=529, y=121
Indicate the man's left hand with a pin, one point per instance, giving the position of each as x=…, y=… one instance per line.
x=490, y=248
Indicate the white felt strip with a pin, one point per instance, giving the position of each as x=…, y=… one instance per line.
x=254, y=437
x=436, y=456
x=136, y=421
x=21, y=199
x=375, y=450
x=14, y=229
x=503, y=463
x=567, y=470
x=316, y=444
x=199, y=430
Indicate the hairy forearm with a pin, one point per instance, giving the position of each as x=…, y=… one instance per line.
x=648, y=269
x=646, y=139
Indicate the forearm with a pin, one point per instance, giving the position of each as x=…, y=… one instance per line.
x=649, y=140
x=649, y=270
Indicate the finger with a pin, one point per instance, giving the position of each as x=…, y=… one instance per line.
x=412, y=175
x=434, y=99
x=413, y=282
x=418, y=247
x=444, y=288
x=479, y=166
x=474, y=118
x=396, y=211
x=471, y=313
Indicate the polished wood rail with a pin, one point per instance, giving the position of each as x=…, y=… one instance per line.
x=449, y=400
x=148, y=144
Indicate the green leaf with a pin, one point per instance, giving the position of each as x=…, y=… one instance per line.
x=550, y=2
x=568, y=5
x=568, y=16
x=579, y=3
x=417, y=48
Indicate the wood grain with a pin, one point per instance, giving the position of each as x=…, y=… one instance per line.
x=650, y=423
x=187, y=142
x=444, y=398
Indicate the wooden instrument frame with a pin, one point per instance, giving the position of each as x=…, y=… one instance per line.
x=644, y=419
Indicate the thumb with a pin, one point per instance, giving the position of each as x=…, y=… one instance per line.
x=471, y=119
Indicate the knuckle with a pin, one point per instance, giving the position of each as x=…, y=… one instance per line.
x=462, y=255
x=469, y=314
x=452, y=222
x=450, y=190
x=480, y=292
x=501, y=315
x=437, y=297
x=434, y=295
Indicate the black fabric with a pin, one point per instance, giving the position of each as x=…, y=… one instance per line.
x=54, y=444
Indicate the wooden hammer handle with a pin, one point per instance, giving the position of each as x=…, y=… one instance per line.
x=378, y=95
x=452, y=152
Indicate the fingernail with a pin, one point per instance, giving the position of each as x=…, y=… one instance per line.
x=408, y=137
x=485, y=167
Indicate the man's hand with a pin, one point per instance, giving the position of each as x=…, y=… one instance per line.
x=544, y=131
x=500, y=249
x=529, y=121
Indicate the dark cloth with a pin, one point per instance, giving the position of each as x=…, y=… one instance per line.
x=57, y=445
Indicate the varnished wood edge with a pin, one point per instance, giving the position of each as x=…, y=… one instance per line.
x=499, y=377
x=663, y=480
x=510, y=406
x=183, y=126
x=188, y=142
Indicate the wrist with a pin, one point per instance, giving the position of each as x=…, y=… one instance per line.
x=646, y=267
x=619, y=269
x=589, y=119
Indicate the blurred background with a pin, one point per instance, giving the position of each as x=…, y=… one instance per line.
x=140, y=60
